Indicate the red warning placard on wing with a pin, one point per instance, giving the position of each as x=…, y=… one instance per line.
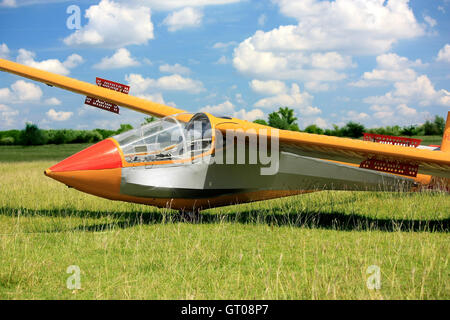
x=104, y=104
x=386, y=139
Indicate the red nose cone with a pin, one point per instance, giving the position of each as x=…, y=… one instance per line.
x=102, y=155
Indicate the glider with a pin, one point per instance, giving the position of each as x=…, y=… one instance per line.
x=178, y=161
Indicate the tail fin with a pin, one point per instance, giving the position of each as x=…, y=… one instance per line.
x=445, y=145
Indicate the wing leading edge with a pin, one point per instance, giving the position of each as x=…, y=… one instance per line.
x=88, y=89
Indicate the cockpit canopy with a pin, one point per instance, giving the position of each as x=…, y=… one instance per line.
x=168, y=139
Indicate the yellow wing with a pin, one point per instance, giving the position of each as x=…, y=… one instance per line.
x=84, y=88
x=436, y=163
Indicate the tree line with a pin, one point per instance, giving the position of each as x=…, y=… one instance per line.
x=282, y=119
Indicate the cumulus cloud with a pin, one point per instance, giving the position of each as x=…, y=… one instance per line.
x=185, y=18
x=420, y=91
x=293, y=98
x=114, y=25
x=21, y=91
x=400, y=114
x=59, y=115
x=175, y=68
x=444, y=54
x=120, y=59
x=229, y=109
x=8, y=116
x=4, y=51
x=327, y=33
x=174, y=82
x=270, y=87
x=52, y=101
x=52, y=65
x=357, y=26
x=390, y=68
x=317, y=86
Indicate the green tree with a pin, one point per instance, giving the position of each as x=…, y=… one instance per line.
x=32, y=136
x=314, y=129
x=261, y=121
x=353, y=130
x=409, y=131
x=283, y=119
x=124, y=127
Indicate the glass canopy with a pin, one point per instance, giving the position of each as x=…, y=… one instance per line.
x=167, y=139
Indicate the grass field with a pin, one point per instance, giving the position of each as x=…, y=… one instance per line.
x=313, y=246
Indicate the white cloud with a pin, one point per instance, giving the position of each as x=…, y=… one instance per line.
x=358, y=26
x=179, y=83
x=114, y=25
x=184, y=18
x=251, y=115
x=228, y=109
x=331, y=60
x=21, y=91
x=406, y=111
x=293, y=98
x=270, y=87
x=155, y=97
x=223, y=109
x=53, y=101
x=222, y=60
x=430, y=21
x=279, y=64
x=390, y=68
x=175, y=82
x=353, y=115
x=175, y=68
x=420, y=91
x=316, y=86
x=59, y=115
x=444, y=54
x=224, y=45
x=8, y=3
x=52, y=65
x=120, y=59
x=327, y=33
x=4, y=51
x=401, y=115
x=7, y=116
x=262, y=20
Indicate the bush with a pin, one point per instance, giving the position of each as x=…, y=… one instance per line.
x=314, y=129
x=261, y=121
x=6, y=141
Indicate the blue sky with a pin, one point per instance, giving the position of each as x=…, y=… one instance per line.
x=373, y=61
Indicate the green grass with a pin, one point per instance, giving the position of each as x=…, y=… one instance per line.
x=427, y=140
x=49, y=152
x=313, y=246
